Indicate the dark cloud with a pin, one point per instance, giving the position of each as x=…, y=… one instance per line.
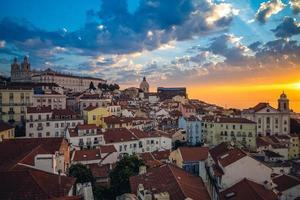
x=255, y=45
x=118, y=31
x=267, y=9
x=287, y=28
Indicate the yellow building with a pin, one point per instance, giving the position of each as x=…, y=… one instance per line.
x=95, y=115
x=294, y=146
x=6, y=131
x=240, y=131
x=13, y=103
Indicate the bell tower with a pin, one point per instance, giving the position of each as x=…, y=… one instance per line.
x=283, y=103
x=15, y=70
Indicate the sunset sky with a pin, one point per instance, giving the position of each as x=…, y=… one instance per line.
x=233, y=53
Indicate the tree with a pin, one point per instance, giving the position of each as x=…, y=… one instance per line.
x=92, y=87
x=128, y=166
x=81, y=173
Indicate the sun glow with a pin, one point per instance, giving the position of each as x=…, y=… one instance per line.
x=297, y=86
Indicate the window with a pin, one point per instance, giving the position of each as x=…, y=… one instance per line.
x=39, y=134
x=94, y=117
x=56, y=134
x=47, y=134
x=233, y=126
x=56, y=125
x=39, y=117
x=31, y=125
x=62, y=125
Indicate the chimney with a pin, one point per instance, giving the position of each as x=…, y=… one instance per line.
x=59, y=177
x=143, y=169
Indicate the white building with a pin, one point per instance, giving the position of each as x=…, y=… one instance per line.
x=270, y=120
x=229, y=165
x=85, y=136
x=101, y=156
x=94, y=100
x=47, y=122
x=130, y=141
x=287, y=186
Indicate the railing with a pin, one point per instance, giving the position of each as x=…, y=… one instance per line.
x=39, y=128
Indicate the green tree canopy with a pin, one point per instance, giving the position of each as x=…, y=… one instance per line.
x=81, y=173
x=128, y=166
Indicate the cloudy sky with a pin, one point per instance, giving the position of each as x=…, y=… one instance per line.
x=229, y=52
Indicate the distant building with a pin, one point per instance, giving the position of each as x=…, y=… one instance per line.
x=67, y=81
x=21, y=73
x=269, y=120
x=144, y=86
x=168, y=93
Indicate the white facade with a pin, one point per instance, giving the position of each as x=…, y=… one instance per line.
x=114, y=110
x=245, y=167
x=82, y=137
x=44, y=124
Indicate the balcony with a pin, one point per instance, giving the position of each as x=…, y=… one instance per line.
x=39, y=128
x=80, y=143
x=96, y=142
x=89, y=143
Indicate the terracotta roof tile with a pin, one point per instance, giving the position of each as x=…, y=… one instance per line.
x=194, y=153
x=118, y=135
x=247, y=190
x=285, y=182
x=87, y=155
x=33, y=184
x=168, y=178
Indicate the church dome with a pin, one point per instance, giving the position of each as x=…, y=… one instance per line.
x=283, y=96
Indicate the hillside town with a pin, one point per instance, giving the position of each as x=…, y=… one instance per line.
x=70, y=137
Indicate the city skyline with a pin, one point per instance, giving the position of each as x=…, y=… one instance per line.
x=231, y=53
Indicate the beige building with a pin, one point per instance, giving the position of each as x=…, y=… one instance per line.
x=269, y=120
x=240, y=131
x=6, y=131
x=13, y=102
x=50, y=98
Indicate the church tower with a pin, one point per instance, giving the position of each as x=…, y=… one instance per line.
x=283, y=103
x=144, y=85
x=14, y=70
x=25, y=70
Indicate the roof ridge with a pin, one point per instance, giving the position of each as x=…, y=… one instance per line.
x=38, y=184
x=169, y=166
x=249, y=183
x=28, y=154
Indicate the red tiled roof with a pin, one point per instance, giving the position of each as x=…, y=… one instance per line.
x=168, y=178
x=86, y=126
x=100, y=171
x=260, y=106
x=63, y=112
x=285, y=182
x=33, y=184
x=5, y=126
x=231, y=156
x=194, y=153
x=118, y=135
x=107, y=149
x=90, y=108
x=40, y=109
x=117, y=120
x=161, y=155
x=24, y=150
x=247, y=190
x=234, y=120
x=87, y=155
